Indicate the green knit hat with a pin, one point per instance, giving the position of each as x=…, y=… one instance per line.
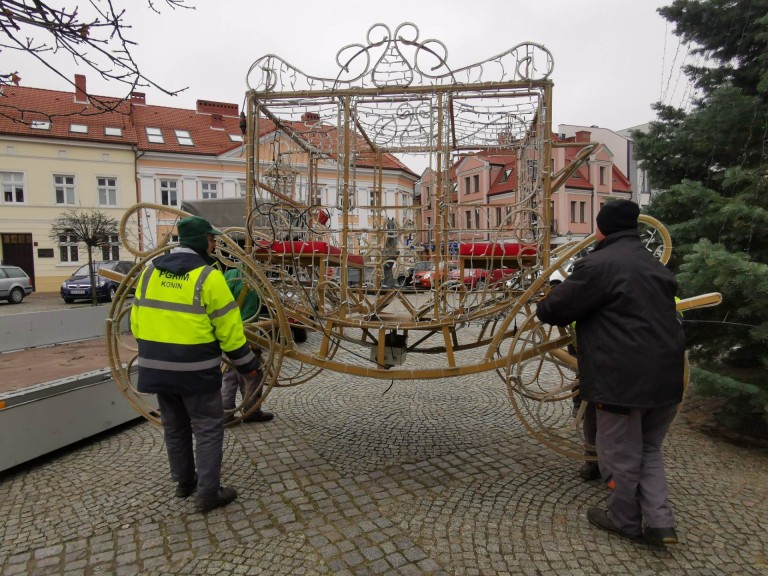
x=193, y=233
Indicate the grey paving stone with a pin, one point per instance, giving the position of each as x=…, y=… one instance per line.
x=432, y=477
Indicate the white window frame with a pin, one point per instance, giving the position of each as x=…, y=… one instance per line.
x=242, y=188
x=40, y=124
x=154, y=135
x=209, y=189
x=184, y=138
x=13, y=185
x=69, y=249
x=78, y=128
x=236, y=137
x=64, y=184
x=172, y=192
x=112, y=131
x=111, y=250
x=107, y=186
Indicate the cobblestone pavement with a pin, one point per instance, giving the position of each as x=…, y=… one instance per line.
x=355, y=477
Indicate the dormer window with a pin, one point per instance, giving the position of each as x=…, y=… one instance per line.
x=78, y=128
x=155, y=136
x=40, y=125
x=184, y=138
x=236, y=137
x=110, y=131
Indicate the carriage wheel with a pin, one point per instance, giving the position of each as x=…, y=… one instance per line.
x=541, y=383
x=268, y=332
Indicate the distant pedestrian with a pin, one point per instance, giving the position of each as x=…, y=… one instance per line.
x=631, y=360
x=183, y=318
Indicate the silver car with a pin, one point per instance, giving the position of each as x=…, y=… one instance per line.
x=14, y=284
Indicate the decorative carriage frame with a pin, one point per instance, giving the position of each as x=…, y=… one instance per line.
x=307, y=252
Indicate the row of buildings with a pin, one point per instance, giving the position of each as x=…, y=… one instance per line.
x=58, y=151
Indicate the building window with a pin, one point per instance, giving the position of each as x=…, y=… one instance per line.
x=317, y=196
x=477, y=219
x=468, y=216
x=533, y=169
x=209, y=190
x=13, y=187
x=78, y=128
x=506, y=175
x=242, y=188
x=498, y=215
x=111, y=250
x=602, y=174
x=68, y=248
x=582, y=211
x=107, y=188
x=476, y=183
x=169, y=192
x=573, y=211
x=466, y=185
x=453, y=220
x=155, y=135
x=427, y=199
x=184, y=138
x=40, y=125
x=112, y=131
x=236, y=137
x=64, y=187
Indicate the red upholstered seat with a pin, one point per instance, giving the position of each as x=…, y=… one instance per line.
x=314, y=249
x=495, y=250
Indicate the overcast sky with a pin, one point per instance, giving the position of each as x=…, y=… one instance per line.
x=610, y=59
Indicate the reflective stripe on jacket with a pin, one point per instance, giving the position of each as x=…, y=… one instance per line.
x=183, y=317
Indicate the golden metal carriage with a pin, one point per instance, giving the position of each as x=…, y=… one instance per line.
x=325, y=206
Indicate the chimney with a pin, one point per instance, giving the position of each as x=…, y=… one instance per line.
x=217, y=121
x=583, y=136
x=81, y=94
x=310, y=117
x=139, y=98
x=223, y=108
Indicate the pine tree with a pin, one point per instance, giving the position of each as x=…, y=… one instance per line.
x=711, y=164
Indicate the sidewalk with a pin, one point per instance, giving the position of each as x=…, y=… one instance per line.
x=428, y=477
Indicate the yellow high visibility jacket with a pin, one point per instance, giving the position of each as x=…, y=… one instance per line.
x=183, y=317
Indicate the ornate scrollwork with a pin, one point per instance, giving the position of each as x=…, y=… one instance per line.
x=399, y=60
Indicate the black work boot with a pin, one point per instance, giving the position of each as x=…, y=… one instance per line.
x=259, y=416
x=224, y=496
x=185, y=489
x=589, y=471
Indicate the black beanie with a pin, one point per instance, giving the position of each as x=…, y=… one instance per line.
x=617, y=215
x=193, y=233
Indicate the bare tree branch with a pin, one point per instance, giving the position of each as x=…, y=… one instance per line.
x=96, y=40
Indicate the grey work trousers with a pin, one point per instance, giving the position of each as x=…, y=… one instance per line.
x=632, y=464
x=199, y=416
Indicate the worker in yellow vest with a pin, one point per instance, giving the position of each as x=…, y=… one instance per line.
x=183, y=318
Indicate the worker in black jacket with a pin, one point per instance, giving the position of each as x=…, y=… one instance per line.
x=631, y=360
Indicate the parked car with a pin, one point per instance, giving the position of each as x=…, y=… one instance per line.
x=474, y=278
x=500, y=276
x=558, y=276
x=425, y=272
x=14, y=284
x=78, y=286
